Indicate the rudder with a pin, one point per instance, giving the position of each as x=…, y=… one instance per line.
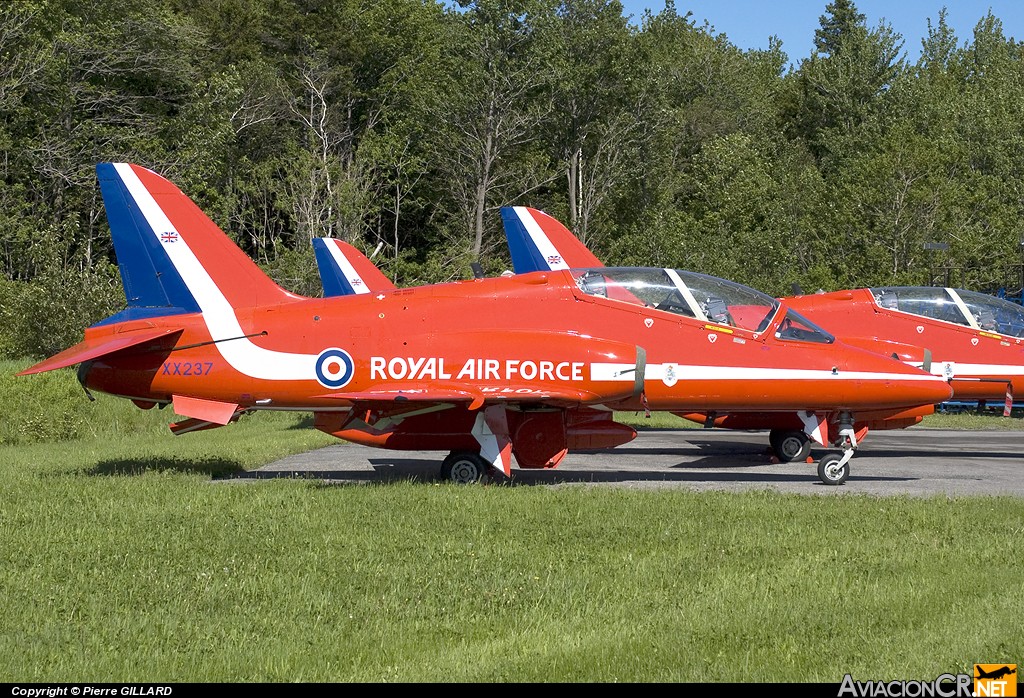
x=538, y=242
x=172, y=257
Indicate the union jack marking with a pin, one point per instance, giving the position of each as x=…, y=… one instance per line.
x=169, y=236
x=555, y=259
x=356, y=281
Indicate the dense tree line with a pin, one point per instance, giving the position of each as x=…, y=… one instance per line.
x=404, y=125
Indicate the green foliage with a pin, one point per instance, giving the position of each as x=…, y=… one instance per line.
x=42, y=317
x=295, y=270
x=410, y=124
x=45, y=407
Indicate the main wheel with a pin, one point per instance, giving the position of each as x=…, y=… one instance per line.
x=830, y=472
x=790, y=446
x=464, y=468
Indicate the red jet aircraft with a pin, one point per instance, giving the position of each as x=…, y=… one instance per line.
x=978, y=339
x=538, y=241
x=702, y=298
x=975, y=343
x=527, y=366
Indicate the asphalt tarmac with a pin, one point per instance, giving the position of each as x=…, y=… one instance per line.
x=908, y=462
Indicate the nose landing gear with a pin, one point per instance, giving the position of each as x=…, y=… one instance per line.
x=834, y=468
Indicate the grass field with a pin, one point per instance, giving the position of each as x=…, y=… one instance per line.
x=122, y=558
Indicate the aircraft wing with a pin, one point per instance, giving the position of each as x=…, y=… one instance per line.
x=401, y=397
x=346, y=271
x=538, y=242
x=97, y=346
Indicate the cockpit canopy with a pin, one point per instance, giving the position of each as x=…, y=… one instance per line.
x=699, y=296
x=967, y=308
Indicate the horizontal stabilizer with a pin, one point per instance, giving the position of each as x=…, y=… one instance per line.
x=219, y=413
x=95, y=347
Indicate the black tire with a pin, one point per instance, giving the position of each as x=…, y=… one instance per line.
x=829, y=473
x=790, y=446
x=464, y=468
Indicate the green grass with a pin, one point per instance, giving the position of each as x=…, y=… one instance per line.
x=123, y=559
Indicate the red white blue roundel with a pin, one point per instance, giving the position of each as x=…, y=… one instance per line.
x=334, y=368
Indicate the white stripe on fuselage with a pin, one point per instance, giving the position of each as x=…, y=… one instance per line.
x=540, y=239
x=970, y=370
x=623, y=372
x=346, y=268
x=219, y=316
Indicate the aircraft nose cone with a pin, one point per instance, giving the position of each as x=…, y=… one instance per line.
x=935, y=391
x=901, y=385
x=920, y=385
x=916, y=387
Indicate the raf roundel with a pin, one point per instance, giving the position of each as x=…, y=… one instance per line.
x=334, y=368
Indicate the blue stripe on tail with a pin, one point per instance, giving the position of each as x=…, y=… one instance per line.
x=331, y=278
x=152, y=286
x=525, y=255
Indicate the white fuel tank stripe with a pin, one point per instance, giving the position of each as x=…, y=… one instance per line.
x=962, y=370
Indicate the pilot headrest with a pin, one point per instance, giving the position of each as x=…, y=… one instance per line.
x=888, y=299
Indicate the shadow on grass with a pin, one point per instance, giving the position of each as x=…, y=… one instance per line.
x=214, y=467
x=305, y=423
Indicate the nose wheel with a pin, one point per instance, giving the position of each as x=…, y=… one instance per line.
x=833, y=469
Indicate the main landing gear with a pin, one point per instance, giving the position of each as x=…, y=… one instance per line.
x=465, y=468
x=789, y=446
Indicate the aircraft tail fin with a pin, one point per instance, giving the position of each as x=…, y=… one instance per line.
x=538, y=242
x=345, y=271
x=173, y=259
